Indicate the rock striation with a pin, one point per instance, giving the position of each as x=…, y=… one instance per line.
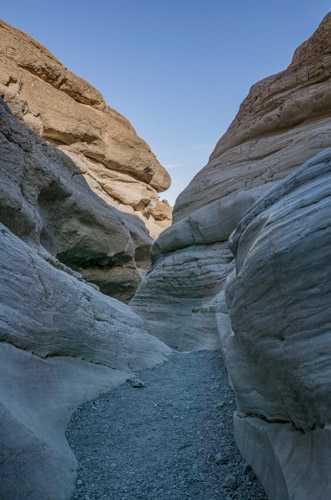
x=245, y=267
x=45, y=200
x=272, y=319
x=283, y=122
x=278, y=352
x=61, y=340
x=72, y=115
x=191, y=261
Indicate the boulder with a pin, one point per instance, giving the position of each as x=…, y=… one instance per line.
x=72, y=115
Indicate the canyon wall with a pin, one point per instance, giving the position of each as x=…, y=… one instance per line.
x=118, y=165
x=272, y=321
x=245, y=266
x=284, y=121
x=278, y=353
x=62, y=342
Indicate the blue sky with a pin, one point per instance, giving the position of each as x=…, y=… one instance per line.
x=178, y=69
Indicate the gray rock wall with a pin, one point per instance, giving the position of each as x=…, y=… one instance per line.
x=62, y=342
x=278, y=353
x=45, y=200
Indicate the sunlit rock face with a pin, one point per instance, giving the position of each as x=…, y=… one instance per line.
x=273, y=323
x=279, y=352
x=71, y=114
x=62, y=342
x=284, y=121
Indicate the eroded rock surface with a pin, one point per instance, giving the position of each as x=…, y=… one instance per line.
x=191, y=261
x=71, y=114
x=61, y=340
x=275, y=340
x=279, y=353
x=283, y=122
x=46, y=201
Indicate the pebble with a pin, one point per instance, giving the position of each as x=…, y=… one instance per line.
x=230, y=482
x=135, y=382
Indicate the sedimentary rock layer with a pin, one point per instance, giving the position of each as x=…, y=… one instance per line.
x=191, y=261
x=284, y=121
x=61, y=343
x=71, y=114
x=45, y=200
x=278, y=355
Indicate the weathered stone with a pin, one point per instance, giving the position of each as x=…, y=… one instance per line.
x=45, y=200
x=71, y=114
x=276, y=342
x=176, y=298
x=191, y=260
x=61, y=341
x=283, y=122
x=278, y=352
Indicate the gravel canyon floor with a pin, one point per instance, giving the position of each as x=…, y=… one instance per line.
x=169, y=439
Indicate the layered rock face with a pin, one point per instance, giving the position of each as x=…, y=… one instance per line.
x=284, y=121
x=45, y=200
x=191, y=260
x=278, y=353
x=62, y=341
x=112, y=251
x=71, y=114
x=273, y=321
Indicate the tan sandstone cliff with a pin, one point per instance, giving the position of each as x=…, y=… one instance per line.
x=284, y=120
x=70, y=113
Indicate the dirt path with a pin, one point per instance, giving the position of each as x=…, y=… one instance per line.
x=169, y=440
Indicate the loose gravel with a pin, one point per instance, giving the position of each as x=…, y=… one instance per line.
x=165, y=436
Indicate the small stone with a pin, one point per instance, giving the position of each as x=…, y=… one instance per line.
x=79, y=482
x=248, y=471
x=221, y=459
x=230, y=482
x=135, y=382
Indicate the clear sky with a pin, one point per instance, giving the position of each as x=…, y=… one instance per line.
x=178, y=69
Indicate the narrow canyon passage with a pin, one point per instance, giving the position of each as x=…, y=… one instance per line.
x=168, y=440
